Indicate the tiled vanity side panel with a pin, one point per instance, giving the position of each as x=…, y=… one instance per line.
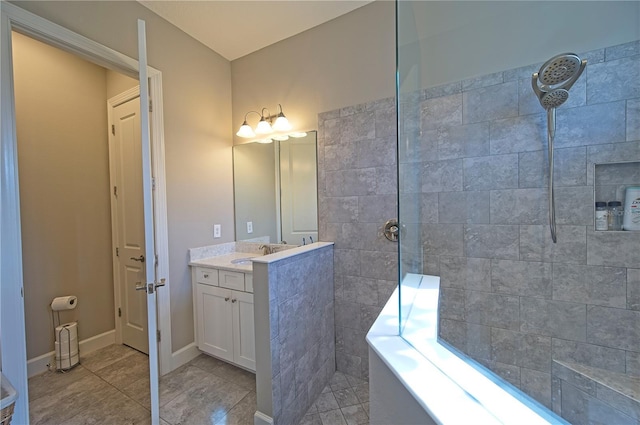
x=357, y=194
x=302, y=331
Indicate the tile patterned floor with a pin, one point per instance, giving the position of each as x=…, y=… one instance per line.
x=345, y=401
x=111, y=386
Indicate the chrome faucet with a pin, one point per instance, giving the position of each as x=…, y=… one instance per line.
x=266, y=249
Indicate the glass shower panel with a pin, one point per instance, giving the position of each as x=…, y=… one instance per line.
x=473, y=188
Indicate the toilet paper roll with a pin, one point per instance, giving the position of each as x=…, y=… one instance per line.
x=66, y=332
x=64, y=303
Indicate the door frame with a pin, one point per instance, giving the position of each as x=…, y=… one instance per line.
x=13, y=349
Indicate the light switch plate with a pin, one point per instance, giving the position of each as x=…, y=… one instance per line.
x=217, y=230
x=249, y=226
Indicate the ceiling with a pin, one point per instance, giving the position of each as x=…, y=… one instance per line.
x=236, y=28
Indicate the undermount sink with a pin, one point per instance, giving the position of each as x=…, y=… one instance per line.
x=241, y=261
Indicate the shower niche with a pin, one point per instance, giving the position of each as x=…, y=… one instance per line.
x=611, y=180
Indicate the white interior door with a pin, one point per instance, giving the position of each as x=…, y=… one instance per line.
x=298, y=182
x=126, y=155
x=150, y=263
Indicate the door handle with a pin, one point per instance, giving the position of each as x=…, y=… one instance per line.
x=141, y=286
x=140, y=258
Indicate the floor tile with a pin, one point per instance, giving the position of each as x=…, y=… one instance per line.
x=338, y=382
x=204, y=402
x=206, y=362
x=312, y=419
x=52, y=382
x=105, y=357
x=346, y=397
x=326, y=402
x=116, y=408
x=125, y=371
x=242, y=413
x=238, y=376
x=362, y=391
x=355, y=415
x=332, y=417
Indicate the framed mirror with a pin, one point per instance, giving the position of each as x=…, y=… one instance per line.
x=276, y=191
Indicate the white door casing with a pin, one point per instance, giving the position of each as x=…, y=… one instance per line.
x=298, y=195
x=12, y=302
x=127, y=219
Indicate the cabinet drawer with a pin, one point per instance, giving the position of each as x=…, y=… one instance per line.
x=248, y=283
x=231, y=280
x=207, y=276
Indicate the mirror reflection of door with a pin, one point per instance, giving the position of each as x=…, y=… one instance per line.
x=275, y=187
x=298, y=191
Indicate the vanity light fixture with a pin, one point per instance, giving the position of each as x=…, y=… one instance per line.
x=264, y=125
x=298, y=134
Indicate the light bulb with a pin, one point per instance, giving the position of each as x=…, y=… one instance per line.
x=245, y=131
x=263, y=127
x=282, y=123
x=281, y=137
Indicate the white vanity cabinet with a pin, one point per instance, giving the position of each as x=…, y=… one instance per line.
x=224, y=315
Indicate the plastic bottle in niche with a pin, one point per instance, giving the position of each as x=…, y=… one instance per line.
x=601, y=216
x=632, y=209
x=615, y=215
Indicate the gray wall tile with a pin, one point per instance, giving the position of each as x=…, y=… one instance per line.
x=633, y=119
x=443, y=239
x=442, y=176
x=612, y=248
x=617, y=174
x=379, y=265
x=613, y=80
x=377, y=209
x=519, y=134
x=577, y=379
x=597, y=285
x=537, y=384
x=570, y=166
x=613, y=327
x=351, y=182
x=375, y=153
x=536, y=244
x=482, y=81
x=633, y=364
x=451, y=303
x=465, y=273
x=503, y=103
x=444, y=90
x=442, y=111
x=492, y=310
x=490, y=241
x=532, y=168
x=463, y=207
x=579, y=407
x=588, y=354
x=338, y=210
x=519, y=349
x=531, y=279
x=574, y=205
x=633, y=289
x=491, y=172
x=519, y=206
x=425, y=211
x=557, y=319
x=619, y=401
x=463, y=141
x=583, y=126
x=623, y=50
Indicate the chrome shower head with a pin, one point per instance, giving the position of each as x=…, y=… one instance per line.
x=554, y=98
x=556, y=76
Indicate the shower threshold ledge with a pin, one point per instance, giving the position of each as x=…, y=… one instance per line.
x=451, y=389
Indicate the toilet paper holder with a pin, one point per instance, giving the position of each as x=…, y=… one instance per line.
x=60, y=331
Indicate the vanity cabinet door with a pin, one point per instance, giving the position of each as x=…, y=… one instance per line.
x=215, y=326
x=244, y=345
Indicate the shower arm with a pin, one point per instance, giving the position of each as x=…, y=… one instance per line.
x=551, y=134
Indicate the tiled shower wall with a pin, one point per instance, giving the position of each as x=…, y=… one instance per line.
x=511, y=298
x=474, y=203
x=357, y=190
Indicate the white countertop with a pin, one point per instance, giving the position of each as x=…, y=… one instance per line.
x=223, y=262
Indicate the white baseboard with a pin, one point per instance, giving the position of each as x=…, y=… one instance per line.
x=39, y=364
x=184, y=355
x=260, y=418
